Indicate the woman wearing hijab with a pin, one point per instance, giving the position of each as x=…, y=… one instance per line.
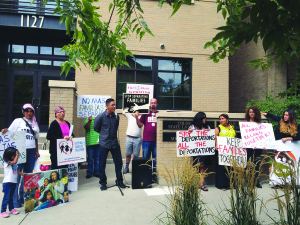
x=27, y=123
x=59, y=128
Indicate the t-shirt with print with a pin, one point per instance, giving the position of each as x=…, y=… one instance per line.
x=19, y=125
x=150, y=126
x=91, y=136
x=10, y=173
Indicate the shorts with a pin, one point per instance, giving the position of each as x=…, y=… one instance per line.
x=133, y=145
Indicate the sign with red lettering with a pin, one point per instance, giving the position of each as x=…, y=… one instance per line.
x=31, y=181
x=231, y=149
x=199, y=142
x=140, y=89
x=257, y=135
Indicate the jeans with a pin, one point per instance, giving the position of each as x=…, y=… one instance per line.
x=117, y=158
x=26, y=168
x=93, y=160
x=148, y=148
x=8, y=190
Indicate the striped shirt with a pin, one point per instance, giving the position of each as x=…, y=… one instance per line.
x=91, y=137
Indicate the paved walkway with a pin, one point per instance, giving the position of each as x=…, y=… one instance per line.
x=89, y=205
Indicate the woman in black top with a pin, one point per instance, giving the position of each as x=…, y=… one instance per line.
x=288, y=128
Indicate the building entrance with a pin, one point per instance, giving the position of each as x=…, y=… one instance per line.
x=31, y=87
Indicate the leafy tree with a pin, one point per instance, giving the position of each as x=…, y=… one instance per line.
x=274, y=22
x=96, y=42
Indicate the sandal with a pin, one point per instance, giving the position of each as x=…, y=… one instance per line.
x=203, y=188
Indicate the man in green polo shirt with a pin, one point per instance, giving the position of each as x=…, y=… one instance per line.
x=92, y=146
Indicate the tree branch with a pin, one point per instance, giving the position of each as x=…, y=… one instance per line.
x=112, y=12
x=127, y=17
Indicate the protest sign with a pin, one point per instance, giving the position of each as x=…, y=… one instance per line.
x=73, y=177
x=136, y=102
x=199, y=142
x=71, y=151
x=257, y=135
x=140, y=89
x=45, y=189
x=42, y=163
x=284, y=162
x=16, y=139
x=231, y=149
x=90, y=105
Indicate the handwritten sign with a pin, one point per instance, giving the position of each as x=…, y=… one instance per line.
x=287, y=146
x=90, y=105
x=31, y=181
x=71, y=151
x=73, y=177
x=15, y=139
x=199, y=142
x=259, y=135
x=231, y=149
x=140, y=89
x=136, y=102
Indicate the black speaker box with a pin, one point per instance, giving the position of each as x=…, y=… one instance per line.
x=141, y=173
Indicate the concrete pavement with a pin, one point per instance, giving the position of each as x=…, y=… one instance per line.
x=90, y=205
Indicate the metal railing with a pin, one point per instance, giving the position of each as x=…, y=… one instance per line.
x=25, y=7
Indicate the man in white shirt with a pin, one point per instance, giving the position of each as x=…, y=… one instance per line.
x=133, y=139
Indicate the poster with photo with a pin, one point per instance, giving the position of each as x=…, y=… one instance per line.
x=43, y=190
x=136, y=102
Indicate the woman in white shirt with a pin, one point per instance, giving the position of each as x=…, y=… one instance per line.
x=27, y=123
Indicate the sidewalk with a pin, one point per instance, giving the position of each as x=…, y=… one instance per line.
x=90, y=205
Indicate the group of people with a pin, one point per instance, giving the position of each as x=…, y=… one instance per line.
x=288, y=130
x=13, y=184
x=101, y=138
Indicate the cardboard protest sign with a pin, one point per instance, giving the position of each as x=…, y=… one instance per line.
x=231, y=149
x=45, y=189
x=15, y=139
x=90, y=105
x=136, y=102
x=73, y=177
x=140, y=89
x=199, y=142
x=283, y=162
x=71, y=151
x=259, y=135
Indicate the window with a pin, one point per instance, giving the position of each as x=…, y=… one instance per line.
x=171, y=78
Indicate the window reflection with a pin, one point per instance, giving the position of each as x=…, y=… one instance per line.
x=31, y=64
x=56, y=65
x=144, y=64
x=46, y=50
x=18, y=48
x=17, y=63
x=57, y=51
x=32, y=49
x=45, y=64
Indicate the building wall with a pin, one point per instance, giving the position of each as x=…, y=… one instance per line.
x=246, y=84
x=184, y=36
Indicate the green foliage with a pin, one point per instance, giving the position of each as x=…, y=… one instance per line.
x=274, y=22
x=277, y=106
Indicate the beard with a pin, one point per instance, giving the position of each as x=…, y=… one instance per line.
x=153, y=107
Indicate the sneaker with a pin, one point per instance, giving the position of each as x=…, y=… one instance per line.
x=103, y=187
x=126, y=170
x=4, y=215
x=88, y=176
x=14, y=211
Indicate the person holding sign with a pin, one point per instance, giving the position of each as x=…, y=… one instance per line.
x=253, y=115
x=199, y=123
x=288, y=128
x=223, y=130
x=92, y=147
x=29, y=124
x=106, y=124
x=133, y=139
x=149, y=121
x=59, y=128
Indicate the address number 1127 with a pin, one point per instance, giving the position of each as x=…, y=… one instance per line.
x=34, y=23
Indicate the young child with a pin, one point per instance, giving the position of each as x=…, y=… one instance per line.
x=10, y=158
